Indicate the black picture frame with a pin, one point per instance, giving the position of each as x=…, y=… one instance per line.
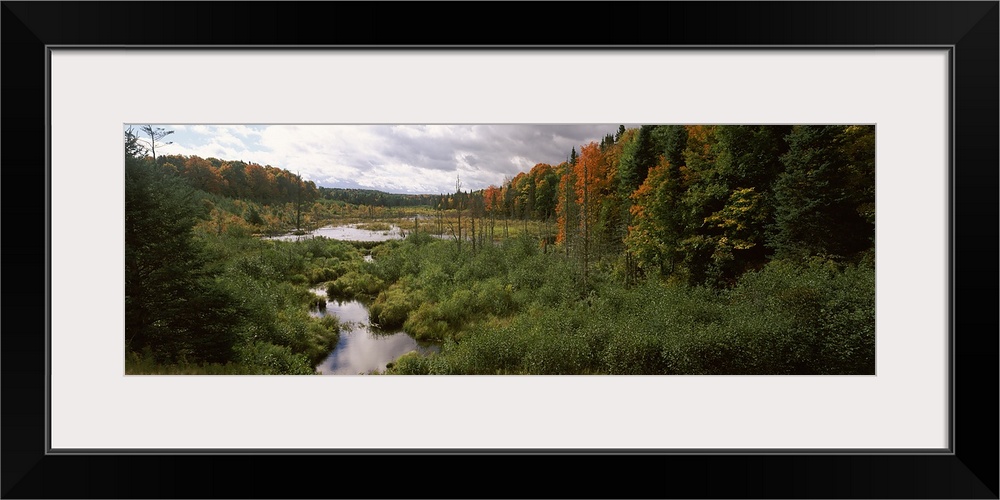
x=970, y=470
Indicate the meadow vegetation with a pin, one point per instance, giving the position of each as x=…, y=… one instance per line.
x=661, y=250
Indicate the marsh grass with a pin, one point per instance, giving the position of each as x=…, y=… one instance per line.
x=517, y=307
x=510, y=309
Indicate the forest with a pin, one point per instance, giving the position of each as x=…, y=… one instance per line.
x=661, y=249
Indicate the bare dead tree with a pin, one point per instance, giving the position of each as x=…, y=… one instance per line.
x=156, y=134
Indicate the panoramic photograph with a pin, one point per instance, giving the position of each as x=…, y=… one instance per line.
x=535, y=249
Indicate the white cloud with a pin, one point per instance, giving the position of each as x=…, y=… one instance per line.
x=398, y=158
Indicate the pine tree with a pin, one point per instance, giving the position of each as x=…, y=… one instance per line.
x=171, y=304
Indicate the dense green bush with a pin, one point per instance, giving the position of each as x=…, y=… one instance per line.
x=355, y=285
x=822, y=317
x=426, y=323
x=489, y=351
x=411, y=363
x=784, y=319
x=390, y=309
x=270, y=359
x=324, y=274
x=322, y=337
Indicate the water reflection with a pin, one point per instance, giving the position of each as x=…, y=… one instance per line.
x=362, y=348
x=349, y=232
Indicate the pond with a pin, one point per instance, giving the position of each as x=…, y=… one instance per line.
x=362, y=347
x=348, y=232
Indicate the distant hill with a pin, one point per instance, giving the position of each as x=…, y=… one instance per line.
x=377, y=198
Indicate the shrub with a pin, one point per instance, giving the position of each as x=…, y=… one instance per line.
x=419, y=238
x=557, y=353
x=324, y=334
x=492, y=296
x=822, y=317
x=488, y=351
x=634, y=352
x=355, y=285
x=426, y=324
x=411, y=363
x=434, y=280
x=269, y=359
x=393, y=305
x=324, y=274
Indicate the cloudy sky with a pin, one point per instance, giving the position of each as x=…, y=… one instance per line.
x=394, y=158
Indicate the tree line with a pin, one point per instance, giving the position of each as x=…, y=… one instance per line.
x=700, y=203
x=241, y=180
x=373, y=197
x=758, y=241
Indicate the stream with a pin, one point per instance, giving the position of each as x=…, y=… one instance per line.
x=363, y=347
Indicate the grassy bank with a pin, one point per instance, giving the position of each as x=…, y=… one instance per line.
x=514, y=309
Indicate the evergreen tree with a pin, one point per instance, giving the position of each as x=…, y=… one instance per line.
x=172, y=306
x=638, y=156
x=675, y=139
x=825, y=198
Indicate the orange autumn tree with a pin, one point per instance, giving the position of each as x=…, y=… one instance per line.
x=202, y=175
x=591, y=186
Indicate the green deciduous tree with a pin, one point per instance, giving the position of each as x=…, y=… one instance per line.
x=746, y=165
x=658, y=219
